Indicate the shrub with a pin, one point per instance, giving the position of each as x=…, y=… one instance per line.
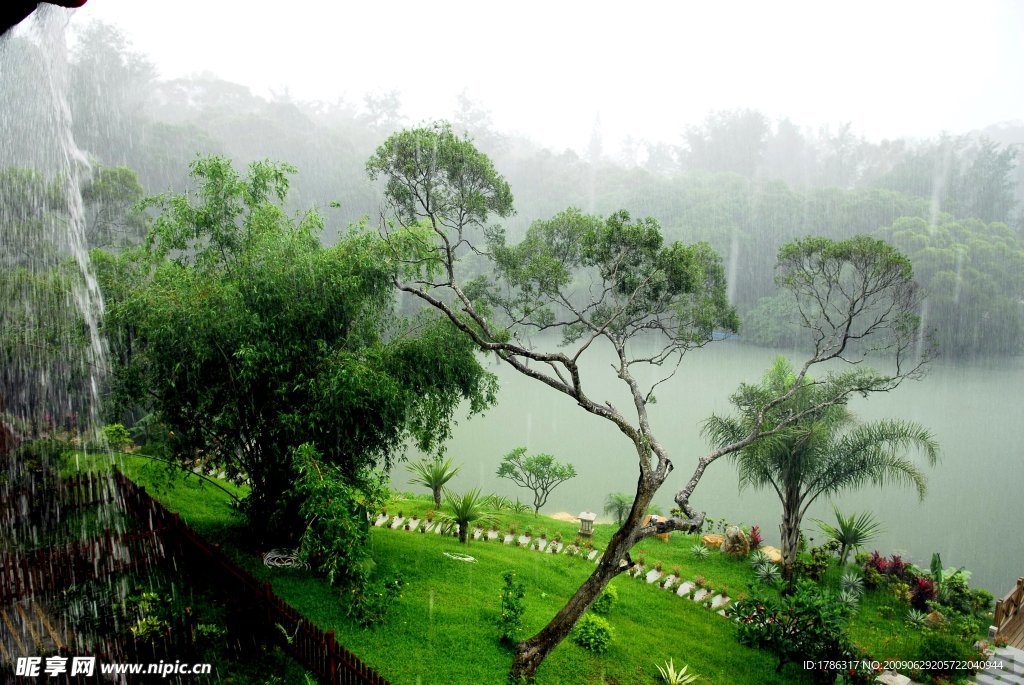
x=872, y=577
x=370, y=601
x=815, y=567
x=938, y=646
x=755, y=537
x=117, y=436
x=900, y=591
x=675, y=570
x=807, y=625
x=593, y=633
x=981, y=601
x=699, y=551
x=605, y=601
x=510, y=620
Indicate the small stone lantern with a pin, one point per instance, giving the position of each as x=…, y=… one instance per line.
x=587, y=524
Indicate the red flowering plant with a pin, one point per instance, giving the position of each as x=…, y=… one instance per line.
x=755, y=537
x=922, y=592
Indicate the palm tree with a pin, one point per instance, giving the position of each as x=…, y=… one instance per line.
x=851, y=532
x=823, y=453
x=618, y=505
x=464, y=510
x=434, y=474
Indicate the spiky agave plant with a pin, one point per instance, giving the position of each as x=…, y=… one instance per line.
x=464, y=510
x=670, y=676
x=851, y=532
x=434, y=474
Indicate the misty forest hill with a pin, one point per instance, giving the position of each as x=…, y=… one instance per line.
x=741, y=182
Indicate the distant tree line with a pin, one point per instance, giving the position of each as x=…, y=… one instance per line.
x=738, y=180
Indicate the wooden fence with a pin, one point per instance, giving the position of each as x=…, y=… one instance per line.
x=315, y=649
x=23, y=574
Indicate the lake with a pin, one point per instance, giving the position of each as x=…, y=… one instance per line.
x=973, y=512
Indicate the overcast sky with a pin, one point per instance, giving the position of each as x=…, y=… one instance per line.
x=548, y=69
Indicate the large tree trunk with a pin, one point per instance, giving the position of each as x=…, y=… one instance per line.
x=790, y=530
x=437, y=499
x=532, y=651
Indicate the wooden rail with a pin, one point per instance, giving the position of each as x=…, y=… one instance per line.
x=1008, y=622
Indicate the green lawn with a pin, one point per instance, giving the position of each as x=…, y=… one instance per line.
x=443, y=628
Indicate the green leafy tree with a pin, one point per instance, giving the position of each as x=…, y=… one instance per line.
x=538, y=473
x=433, y=474
x=974, y=274
x=113, y=219
x=824, y=452
x=605, y=281
x=250, y=338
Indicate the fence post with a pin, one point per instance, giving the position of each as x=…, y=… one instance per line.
x=332, y=659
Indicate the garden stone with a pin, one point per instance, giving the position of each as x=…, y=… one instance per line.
x=719, y=601
x=653, y=575
x=381, y=520
x=593, y=553
x=700, y=594
x=669, y=582
x=893, y=678
x=508, y=539
x=523, y=540
x=492, y=535
x=397, y=523
x=736, y=543
x=555, y=548
x=684, y=589
x=541, y=544
x=712, y=541
x=437, y=528
x=774, y=554
x=413, y=524
x=477, y=533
